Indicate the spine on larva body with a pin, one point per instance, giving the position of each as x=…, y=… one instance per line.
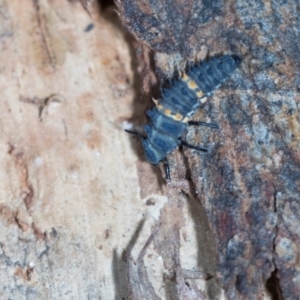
x=179, y=102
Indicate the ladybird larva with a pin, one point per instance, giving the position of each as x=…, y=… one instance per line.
x=178, y=103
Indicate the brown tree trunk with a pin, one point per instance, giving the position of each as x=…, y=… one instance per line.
x=249, y=183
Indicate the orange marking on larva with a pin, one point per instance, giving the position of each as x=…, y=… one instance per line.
x=168, y=112
x=192, y=84
x=200, y=94
x=185, y=77
x=178, y=117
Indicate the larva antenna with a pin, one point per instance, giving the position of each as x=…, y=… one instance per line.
x=140, y=136
x=167, y=168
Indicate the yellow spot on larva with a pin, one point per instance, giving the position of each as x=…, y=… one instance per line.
x=192, y=84
x=185, y=77
x=200, y=94
x=168, y=112
x=178, y=117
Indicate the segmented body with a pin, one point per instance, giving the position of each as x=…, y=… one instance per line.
x=170, y=116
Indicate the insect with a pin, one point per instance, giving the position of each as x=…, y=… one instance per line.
x=178, y=103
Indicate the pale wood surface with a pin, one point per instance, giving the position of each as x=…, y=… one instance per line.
x=69, y=186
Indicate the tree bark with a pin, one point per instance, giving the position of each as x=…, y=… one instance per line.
x=249, y=182
x=84, y=216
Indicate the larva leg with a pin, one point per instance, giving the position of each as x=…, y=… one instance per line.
x=199, y=123
x=185, y=144
x=167, y=168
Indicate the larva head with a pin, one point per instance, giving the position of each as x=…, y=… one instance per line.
x=151, y=154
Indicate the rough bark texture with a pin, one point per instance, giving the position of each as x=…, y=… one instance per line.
x=83, y=216
x=249, y=183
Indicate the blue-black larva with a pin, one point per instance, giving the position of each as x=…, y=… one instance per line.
x=178, y=103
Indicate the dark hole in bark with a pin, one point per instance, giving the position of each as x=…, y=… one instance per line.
x=106, y=3
x=273, y=287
